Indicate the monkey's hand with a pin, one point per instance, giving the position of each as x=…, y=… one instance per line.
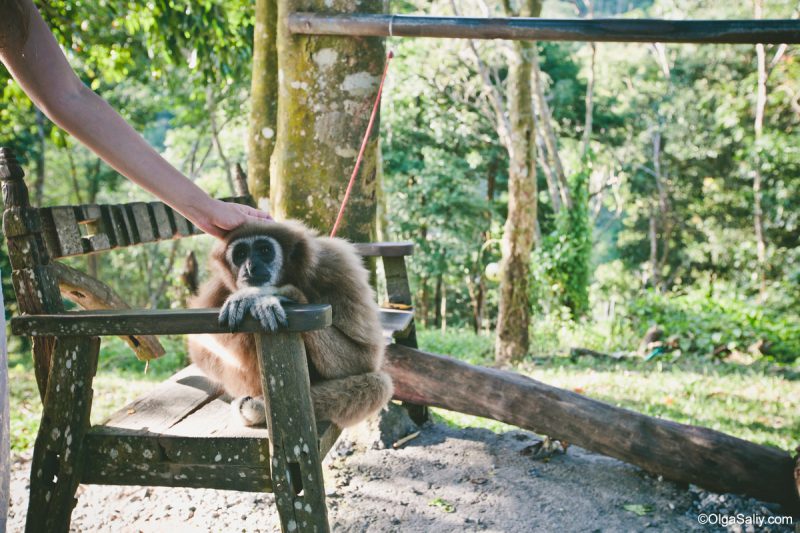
x=261, y=302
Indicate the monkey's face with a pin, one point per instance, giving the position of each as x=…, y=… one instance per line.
x=255, y=261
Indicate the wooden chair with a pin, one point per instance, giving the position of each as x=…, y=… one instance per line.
x=179, y=435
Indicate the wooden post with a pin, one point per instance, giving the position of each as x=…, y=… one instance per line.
x=34, y=283
x=57, y=454
x=295, y=459
x=399, y=292
x=5, y=429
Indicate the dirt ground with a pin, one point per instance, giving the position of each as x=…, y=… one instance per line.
x=444, y=480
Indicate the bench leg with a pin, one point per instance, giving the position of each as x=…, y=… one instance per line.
x=57, y=454
x=295, y=461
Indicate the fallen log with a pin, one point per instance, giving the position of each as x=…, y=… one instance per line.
x=683, y=453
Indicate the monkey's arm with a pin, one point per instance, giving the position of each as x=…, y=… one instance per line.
x=291, y=293
x=212, y=293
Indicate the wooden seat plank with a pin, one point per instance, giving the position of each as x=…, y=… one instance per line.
x=168, y=404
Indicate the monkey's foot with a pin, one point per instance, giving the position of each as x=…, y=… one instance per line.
x=250, y=411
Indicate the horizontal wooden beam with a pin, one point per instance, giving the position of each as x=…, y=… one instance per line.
x=535, y=29
x=680, y=452
x=158, y=322
x=384, y=249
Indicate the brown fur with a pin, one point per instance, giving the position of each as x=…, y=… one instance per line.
x=345, y=360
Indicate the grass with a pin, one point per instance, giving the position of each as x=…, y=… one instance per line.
x=759, y=402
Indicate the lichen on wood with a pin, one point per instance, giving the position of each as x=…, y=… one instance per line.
x=326, y=89
x=263, y=97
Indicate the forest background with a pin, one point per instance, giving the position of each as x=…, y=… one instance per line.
x=668, y=194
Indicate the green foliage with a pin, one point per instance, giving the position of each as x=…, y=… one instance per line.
x=703, y=324
x=759, y=402
x=561, y=266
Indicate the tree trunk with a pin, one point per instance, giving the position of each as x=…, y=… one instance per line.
x=263, y=97
x=38, y=183
x=5, y=429
x=587, y=129
x=758, y=213
x=211, y=105
x=437, y=302
x=518, y=233
x=655, y=274
x=326, y=91
x=549, y=134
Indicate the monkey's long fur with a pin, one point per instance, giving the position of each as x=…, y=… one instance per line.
x=345, y=360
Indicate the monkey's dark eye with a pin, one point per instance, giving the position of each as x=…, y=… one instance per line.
x=264, y=250
x=239, y=253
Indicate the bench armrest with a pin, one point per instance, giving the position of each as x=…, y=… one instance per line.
x=385, y=249
x=159, y=322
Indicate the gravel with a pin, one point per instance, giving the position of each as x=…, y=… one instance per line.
x=443, y=480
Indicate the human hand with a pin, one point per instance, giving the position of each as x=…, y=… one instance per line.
x=217, y=218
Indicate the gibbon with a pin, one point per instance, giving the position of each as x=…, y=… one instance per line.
x=253, y=271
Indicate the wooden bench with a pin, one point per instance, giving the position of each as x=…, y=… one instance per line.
x=181, y=434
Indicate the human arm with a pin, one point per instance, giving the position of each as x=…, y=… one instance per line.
x=41, y=69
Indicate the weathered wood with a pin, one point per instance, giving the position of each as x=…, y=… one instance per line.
x=384, y=249
x=90, y=221
x=536, y=29
x=34, y=284
x=91, y=294
x=117, y=225
x=183, y=228
x=166, y=405
x=399, y=293
x=5, y=428
x=142, y=226
x=160, y=321
x=61, y=231
x=116, y=458
x=680, y=452
x=85, y=229
x=56, y=465
x=295, y=458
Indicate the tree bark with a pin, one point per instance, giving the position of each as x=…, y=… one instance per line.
x=758, y=212
x=263, y=97
x=549, y=134
x=513, y=317
x=587, y=129
x=326, y=91
x=215, y=130
x=680, y=452
x=5, y=428
x=38, y=183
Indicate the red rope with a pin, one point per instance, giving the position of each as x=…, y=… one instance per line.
x=339, y=217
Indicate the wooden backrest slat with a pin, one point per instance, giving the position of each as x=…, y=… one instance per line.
x=141, y=223
x=86, y=229
x=163, y=225
x=183, y=228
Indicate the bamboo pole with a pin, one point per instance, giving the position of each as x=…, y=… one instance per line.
x=775, y=31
